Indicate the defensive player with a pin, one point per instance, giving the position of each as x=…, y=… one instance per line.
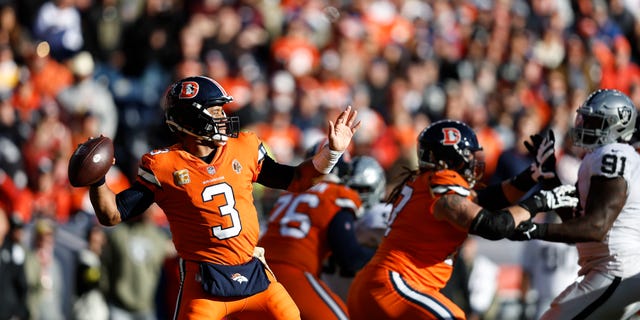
x=605, y=225
x=204, y=185
x=433, y=212
x=305, y=229
x=368, y=179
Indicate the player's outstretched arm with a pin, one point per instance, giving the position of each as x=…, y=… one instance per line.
x=498, y=224
x=339, y=137
x=466, y=215
x=104, y=204
x=341, y=132
x=541, y=171
x=607, y=196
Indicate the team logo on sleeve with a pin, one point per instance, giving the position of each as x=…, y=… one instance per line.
x=181, y=177
x=451, y=136
x=237, y=167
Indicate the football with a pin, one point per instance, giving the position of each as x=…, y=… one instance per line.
x=90, y=161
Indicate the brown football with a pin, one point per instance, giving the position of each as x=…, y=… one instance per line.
x=90, y=161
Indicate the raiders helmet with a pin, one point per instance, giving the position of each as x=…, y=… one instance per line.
x=607, y=116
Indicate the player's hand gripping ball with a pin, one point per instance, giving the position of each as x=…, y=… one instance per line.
x=90, y=161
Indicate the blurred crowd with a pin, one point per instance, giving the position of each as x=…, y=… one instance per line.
x=74, y=69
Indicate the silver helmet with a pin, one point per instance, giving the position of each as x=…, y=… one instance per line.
x=607, y=116
x=368, y=179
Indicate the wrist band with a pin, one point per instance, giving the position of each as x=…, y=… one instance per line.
x=325, y=159
x=523, y=181
x=99, y=182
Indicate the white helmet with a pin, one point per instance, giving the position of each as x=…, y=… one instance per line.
x=368, y=179
x=607, y=116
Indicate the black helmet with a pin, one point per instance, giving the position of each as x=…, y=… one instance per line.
x=186, y=104
x=450, y=144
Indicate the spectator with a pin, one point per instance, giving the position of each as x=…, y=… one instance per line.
x=90, y=303
x=45, y=274
x=132, y=261
x=88, y=96
x=58, y=23
x=13, y=281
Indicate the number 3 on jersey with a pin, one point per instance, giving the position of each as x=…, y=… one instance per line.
x=228, y=209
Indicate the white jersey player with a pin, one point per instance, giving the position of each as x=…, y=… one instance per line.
x=368, y=179
x=549, y=267
x=606, y=224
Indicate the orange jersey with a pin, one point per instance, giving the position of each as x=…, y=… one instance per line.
x=416, y=244
x=297, y=230
x=209, y=206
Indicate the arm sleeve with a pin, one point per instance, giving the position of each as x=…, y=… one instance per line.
x=275, y=175
x=492, y=197
x=349, y=254
x=285, y=177
x=134, y=201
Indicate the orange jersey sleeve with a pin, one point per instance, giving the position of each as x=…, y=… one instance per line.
x=416, y=244
x=298, y=225
x=209, y=206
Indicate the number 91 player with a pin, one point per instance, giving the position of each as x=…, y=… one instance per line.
x=204, y=185
x=606, y=224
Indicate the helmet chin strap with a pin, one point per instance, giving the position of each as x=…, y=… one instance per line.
x=217, y=139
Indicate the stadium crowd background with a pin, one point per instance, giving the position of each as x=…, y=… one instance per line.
x=72, y=69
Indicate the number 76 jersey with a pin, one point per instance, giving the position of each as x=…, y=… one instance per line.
x=618, y=253
x=297, y=234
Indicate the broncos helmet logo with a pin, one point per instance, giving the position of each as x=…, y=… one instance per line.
x=451, y=136
x=189, y=90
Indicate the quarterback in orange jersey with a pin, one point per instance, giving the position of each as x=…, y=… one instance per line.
x=304, y=229
x=433, y=212
x=204, y=185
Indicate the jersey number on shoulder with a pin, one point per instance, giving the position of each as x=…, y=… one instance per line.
x=406, y=195
x=225, y=210
x=294, y=224
x=612, y=164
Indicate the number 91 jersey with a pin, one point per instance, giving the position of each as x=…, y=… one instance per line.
x=617, y=254
x=209, y=206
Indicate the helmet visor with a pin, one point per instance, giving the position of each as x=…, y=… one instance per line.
x=588, y=129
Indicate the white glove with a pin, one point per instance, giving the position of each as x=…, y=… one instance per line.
x=561, y=197
x=547, y=200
